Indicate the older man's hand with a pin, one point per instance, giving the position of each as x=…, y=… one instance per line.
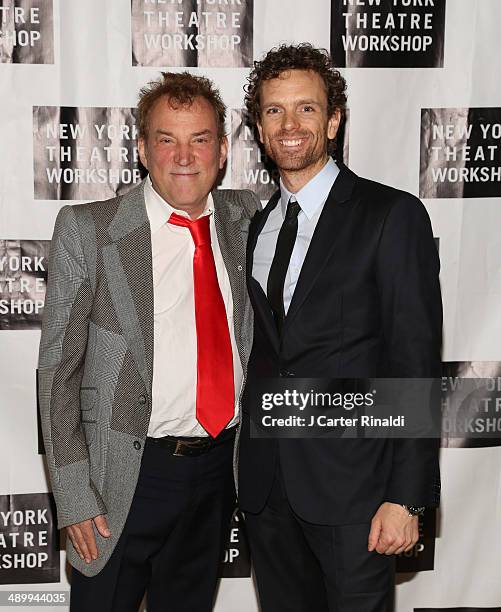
x=83, y=539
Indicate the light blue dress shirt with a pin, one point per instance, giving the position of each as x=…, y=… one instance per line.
x=311, y=198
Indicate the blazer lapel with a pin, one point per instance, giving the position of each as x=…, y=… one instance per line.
x=257, y=295
x=228, y=219
x=128, y=267
x=323, y=241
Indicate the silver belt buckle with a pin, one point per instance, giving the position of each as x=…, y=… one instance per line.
x=186, y=443
x=179, y=445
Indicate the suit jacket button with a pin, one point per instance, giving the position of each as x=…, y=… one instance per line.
x=142, y=399
x=137, y=445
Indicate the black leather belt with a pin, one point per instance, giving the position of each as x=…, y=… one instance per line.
x=192, y=447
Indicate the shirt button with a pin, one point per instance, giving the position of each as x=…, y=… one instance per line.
x=137, y=445
x=142, y=399
x=240, y=268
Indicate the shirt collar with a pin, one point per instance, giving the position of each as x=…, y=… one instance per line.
x=159, y=210
x=313, y=195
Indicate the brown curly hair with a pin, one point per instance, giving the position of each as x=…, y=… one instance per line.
x=181, y=88
x=295, y=57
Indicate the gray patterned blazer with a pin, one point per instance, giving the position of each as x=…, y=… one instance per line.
x=96, y=351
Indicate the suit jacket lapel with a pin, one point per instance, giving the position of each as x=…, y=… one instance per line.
x=257, y=295
x=128, y=267
x=323, y=241
x=228, y=220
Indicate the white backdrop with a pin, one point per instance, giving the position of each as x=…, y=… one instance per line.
x=83, y=58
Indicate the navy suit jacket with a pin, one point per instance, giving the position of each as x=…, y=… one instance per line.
x=367, y=304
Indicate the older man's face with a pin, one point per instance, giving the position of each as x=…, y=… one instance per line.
x=183, y=153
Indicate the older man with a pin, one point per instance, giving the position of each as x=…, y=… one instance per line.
x=144, y=347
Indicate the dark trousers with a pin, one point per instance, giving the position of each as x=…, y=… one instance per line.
x=173, y=538
x=303, y=567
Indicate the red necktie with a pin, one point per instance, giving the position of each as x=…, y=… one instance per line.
x=215, y=384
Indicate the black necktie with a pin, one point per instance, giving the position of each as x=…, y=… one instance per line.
x=281, y=259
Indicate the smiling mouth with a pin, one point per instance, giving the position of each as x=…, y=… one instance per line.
x=291, y=142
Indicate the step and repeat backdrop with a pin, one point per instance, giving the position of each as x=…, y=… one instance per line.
x=424, y=115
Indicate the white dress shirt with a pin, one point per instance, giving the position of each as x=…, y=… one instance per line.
x=175, y=338
x=311, y=198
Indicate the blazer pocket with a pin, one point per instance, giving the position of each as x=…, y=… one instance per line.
x=88, y=407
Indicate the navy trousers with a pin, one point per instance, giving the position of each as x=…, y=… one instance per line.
x=173, y=538
x=304, y=567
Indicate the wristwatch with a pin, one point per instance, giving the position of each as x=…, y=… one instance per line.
x=414, y=510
